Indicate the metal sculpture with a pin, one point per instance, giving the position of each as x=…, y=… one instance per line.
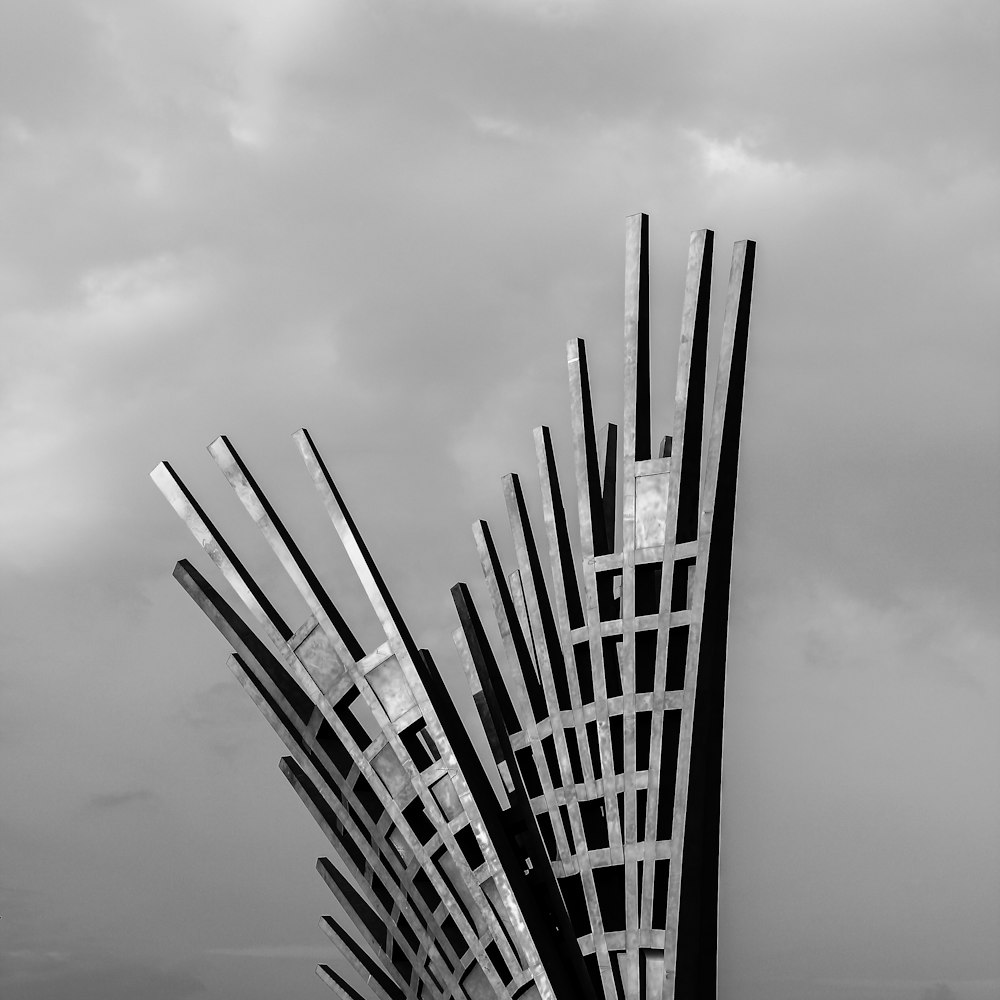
x=595, y=874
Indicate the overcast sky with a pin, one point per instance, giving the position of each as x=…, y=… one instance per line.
x=382, y=221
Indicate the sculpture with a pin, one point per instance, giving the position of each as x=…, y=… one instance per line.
x=595, y=873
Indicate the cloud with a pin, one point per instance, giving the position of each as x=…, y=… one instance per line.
x=383, y=223
x=501, y=128
x=115, y=800
x=32, y=975
x=927, y=637
x=736, y=157
x=220, y=716
x=318, y=953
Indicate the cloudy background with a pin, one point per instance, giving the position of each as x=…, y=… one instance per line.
x=382, y=221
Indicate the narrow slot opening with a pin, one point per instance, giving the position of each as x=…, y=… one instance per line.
x=677, y=643
x=529, y=773
x=595, y=747
x=401, y=962
x=552, y=760
x=680, y=594
x=548, y=834
x=385, y=897
x=454, y=935
x=661, y=878
x=357, y=719
x=610, y=885
x=571, y=887
x=564, y=816
x=668, y=773
x=469, y=845
x=573, y=748
x=493, y=951
x=329, y=742
x=421, y=826
x=359, y=821
x=647, y=588
x=558, y=667
x=409, y=935
x=645, y=660
x=423, y=885
x=609, y=594
x=612, y=671
x=618, y=743
x=595, y=824
x=367, y=798
x=640, y=813
x=643, y=726
x=585, y=676
x=354, y=852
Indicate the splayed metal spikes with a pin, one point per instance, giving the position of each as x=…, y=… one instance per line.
x=595, y=875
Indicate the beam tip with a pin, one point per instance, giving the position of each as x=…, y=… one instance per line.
x=219, y=444
x=182, y=568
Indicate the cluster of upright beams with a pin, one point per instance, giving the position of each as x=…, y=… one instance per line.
x=599, y=878
x=619, y=746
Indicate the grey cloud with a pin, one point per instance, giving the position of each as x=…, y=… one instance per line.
x=115, y=800
x=54, y=976
x=317, y=953
x=383, y=224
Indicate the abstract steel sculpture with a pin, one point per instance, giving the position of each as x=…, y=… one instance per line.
x=595, y=873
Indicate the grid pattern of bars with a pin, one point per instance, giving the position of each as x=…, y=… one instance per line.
x=599, y=876
x=599, y=686
x=374, y=744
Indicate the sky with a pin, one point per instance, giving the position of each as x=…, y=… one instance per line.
x=382, y=221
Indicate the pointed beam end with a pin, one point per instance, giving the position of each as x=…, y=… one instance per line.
x=218, y=444
x=169, y=484
x=183, y=569
x=304, y=441
x=161, y=473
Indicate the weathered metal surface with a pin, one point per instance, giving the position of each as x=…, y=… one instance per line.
x=594, y=873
